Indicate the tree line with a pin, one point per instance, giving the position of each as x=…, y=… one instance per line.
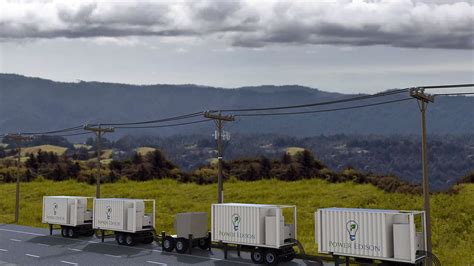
x=154, y=165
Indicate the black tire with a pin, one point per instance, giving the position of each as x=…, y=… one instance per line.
x=257, y=256
x=204, y=243
x=290, y=256
x=182, y=245
x=64, y=231
x=148, y=239
x=272, y=257
x=168, y=244
x=71, y=232
x=130, y=240
x=120, y=237
x=90, y=232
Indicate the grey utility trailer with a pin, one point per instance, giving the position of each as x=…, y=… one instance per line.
x=191, y=231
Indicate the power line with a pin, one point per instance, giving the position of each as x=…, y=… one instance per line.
x=191, y=115
x=326, y=110
x=454, y=94
x=451, y=86
x=357, y=98
x=54, y=131
x=168, y=125
x=68, y=135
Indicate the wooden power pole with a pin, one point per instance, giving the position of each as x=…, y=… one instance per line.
x=18, y=138
x=423, y=100
x=219, y=120
x=99, y=132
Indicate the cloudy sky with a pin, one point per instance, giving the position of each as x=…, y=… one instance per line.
x=345, y=46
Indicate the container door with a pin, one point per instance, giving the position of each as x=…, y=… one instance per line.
x=401, y=241
x=72, y=212
x=139, y=213
x=270, y=229
x=130, y=219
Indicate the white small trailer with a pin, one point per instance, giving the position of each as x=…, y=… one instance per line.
x=70, y=213
x=390, y=236
x=260, y=227
x=126, y=218
x=191, y=231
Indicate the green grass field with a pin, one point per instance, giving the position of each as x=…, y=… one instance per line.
x=34, y=150
x=144, y=150
x=87, y=147
x=452, y=215
x=294, y=150
x=46, y=148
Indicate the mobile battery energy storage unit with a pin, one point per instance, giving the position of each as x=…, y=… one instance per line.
x=191, y=231
x=70, y=213
x=126, y=218
x=385, y=235
x=257, y=226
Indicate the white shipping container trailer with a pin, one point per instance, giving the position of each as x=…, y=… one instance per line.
x=258, y=226
x=126, y=218
x=69, y=212
x=385, y=235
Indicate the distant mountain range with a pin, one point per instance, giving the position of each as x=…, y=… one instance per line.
x=34, y=104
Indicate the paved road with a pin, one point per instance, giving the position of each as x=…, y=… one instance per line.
x=21, y=245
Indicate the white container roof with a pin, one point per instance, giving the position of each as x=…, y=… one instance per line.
x=369, y=210
x=67, y=197
x=254, y=205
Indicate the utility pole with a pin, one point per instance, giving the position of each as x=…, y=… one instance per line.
x=423, y=100
x=219, y=120
x=99, y=132
x=18, y=138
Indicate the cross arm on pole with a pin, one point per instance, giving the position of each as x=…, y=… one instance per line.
x=419, y=94
x=213, y=115
x=98, y=129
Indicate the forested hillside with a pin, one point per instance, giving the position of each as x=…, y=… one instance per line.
x=379, y=160
x=47, y=105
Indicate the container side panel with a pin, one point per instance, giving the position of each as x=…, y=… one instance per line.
x=109, y=214
x=55, y=210
x=237, y=224
x=353, y=233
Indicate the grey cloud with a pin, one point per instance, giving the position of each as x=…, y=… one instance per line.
x=404, y=23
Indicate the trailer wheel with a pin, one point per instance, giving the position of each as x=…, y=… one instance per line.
x=168, y=244
x=130, y=240
x=271, y=257
x=289, y=256
x=182, y=245
x=148, y=239
x=120, y=237
x=72, y=232
x=204, y=243
x=90, y=232
x=257, y=256
x=64, y=231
